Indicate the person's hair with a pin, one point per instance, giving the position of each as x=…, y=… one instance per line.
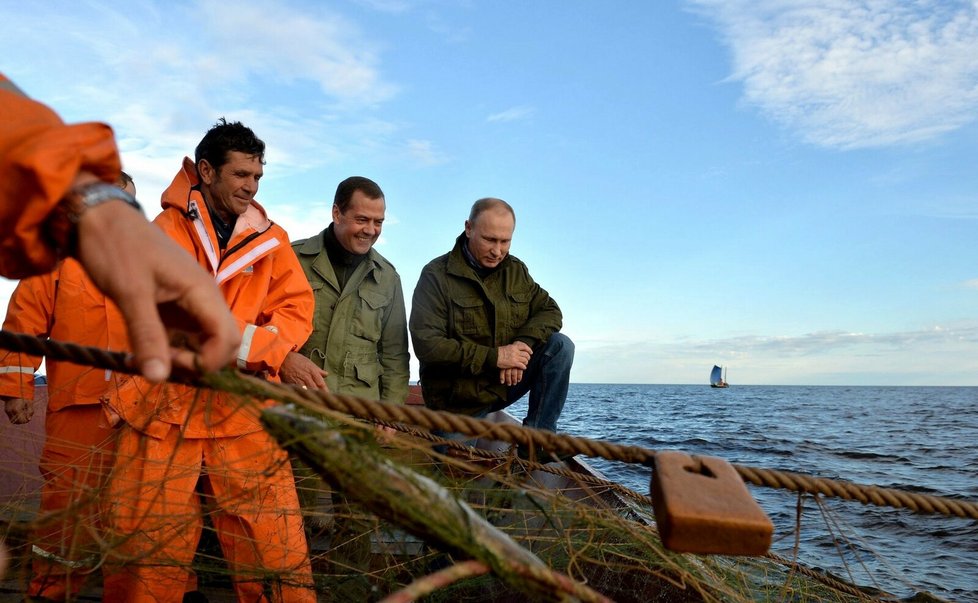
x=124, y=180
x=489, y=203
x=345, y=190
x=225, y=137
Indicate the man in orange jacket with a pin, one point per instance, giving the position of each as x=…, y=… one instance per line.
x=175, y=435
x=66, y=306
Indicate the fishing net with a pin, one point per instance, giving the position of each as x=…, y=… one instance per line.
x=379, y=509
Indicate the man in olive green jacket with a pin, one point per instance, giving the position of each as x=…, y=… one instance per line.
x=485, y=332
x=358, y=347
x=359, y=337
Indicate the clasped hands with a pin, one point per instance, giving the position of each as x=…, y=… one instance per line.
x=512, y=360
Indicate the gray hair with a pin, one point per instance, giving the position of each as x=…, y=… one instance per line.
x=489, y=203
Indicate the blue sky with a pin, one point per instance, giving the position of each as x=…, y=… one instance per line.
x=788, y=189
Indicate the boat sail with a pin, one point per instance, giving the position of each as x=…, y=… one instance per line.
x=717, y=377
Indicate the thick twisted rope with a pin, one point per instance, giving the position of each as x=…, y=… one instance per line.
x=826, y=579
x=560, y=469
x=515, y=434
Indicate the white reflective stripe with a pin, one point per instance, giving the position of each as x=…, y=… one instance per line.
x=86, y=563
x=202, y=235
x=27, y=370
x=108, y=374
x=246, y=259
x=245, y=348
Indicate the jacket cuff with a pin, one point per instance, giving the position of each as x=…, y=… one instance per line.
x=492, y=359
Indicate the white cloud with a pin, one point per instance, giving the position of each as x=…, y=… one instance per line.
x=855, y=74
x=937, y=355
x=288, y=45
x=513, y=114
x=306, y=79
x=425, y=153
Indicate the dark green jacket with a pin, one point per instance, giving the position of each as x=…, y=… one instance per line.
x=359, y=334
x=458, y=321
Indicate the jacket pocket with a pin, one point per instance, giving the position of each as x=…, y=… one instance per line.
x=368, y=318
x=362, y=375
x=470, y=317
x=369, y=373
x=519, y=308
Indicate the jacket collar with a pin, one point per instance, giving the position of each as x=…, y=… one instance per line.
x=184, y=195
x=315, y=247
x=459, y=266
x=186, y=188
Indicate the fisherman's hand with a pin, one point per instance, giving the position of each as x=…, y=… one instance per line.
x=155, y=284
x=19, y=410
x=510, y=377
x=515, y=355
x=299, y=370
x=385, y=434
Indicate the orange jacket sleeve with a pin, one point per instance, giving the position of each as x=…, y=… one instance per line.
x=39, y=159
x=29, y=311
x=285, y=321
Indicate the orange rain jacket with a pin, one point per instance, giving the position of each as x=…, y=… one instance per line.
x=268, y=293
x=65, y=306
x=39, y=159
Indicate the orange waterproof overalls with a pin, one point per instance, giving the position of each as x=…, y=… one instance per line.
x=175, y=434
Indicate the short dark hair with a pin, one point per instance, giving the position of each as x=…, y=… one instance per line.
x=124, y=179
x=225, y=137
x=345, y=190
x=489, y=203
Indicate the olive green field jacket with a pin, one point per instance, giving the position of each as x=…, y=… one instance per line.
x=458, y=321
x=359, y=335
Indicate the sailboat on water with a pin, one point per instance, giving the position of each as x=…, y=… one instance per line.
x=718, y=377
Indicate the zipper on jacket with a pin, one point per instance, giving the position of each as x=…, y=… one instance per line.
x=229, y=251
x=244, y=242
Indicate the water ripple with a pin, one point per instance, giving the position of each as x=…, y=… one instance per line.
x=918, y=439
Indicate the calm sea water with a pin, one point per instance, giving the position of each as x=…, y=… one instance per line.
x=920, y=439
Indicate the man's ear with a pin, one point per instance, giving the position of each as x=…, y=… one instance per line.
x=206, y=171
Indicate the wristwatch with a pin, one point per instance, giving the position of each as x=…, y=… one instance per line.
x=61, y=226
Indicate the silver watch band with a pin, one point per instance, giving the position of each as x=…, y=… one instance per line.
x=97, y=193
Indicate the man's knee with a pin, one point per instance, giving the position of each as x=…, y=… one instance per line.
x=560, y=345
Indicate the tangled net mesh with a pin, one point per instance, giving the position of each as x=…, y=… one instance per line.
x=594, y=533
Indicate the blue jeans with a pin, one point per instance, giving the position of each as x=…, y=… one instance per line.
x=546, y=378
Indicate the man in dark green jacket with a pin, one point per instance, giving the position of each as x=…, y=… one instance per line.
x=359, y=337
x=485, y=332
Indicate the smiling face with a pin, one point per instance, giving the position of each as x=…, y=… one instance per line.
x=490, y=236
x=358, y=228
x=230, y=189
